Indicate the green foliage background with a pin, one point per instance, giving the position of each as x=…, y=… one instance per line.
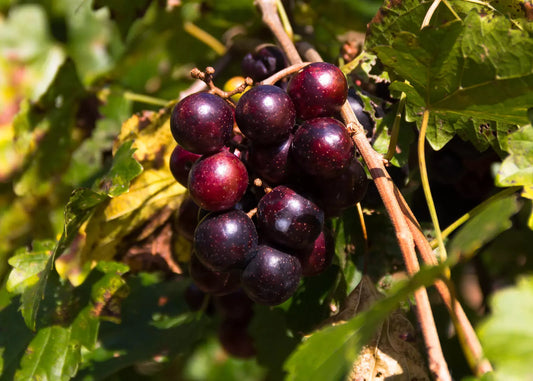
x=86, y=88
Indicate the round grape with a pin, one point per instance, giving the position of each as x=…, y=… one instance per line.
x=265, y=114
x=217, y=182
x=180, y=164
x=202, y=123
x=224, y=241
x=323, y=147
x=289, y=219
x=271, y=277
x=319, y=89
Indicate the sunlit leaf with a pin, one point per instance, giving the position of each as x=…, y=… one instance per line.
x=493, y=59
x=482, y=228
x=507, y=334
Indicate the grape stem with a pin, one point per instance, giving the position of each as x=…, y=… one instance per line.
x=284, y=73
x=207, y=77
x=425, y=184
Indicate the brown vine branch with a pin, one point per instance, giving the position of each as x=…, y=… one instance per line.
x=374, y=162
x=463, y=327
x=272, y=21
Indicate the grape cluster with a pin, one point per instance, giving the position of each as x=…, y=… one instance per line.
x=263, y=177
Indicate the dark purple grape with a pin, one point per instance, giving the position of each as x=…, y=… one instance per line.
x=272, y=163
x=202, y=123
x=180, y=164
x=319, y=89
x=264, y=62
x=187, y=218
x=317, y=259
x=289, y=219
x=236, y=306
x=213, y=282
x=323, y=147
x=265, y=114
x=224, y=241
x=342, y=191
x=358, y=108
x=235, y=339
x=195, y=299
x=217, y=182
x=272, y=276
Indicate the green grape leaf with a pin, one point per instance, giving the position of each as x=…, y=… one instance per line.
x=272, y=339
x=45, y=137
x=124, y=169
x=507, y=334
x=149, y=304
x=27, y=264
x=517, y=168
x=78, y=210
x=329, y=353
x=493, y=60
x=203, y=365
x=49, y=356
x=69, y=320
x=25, y=39
x=124, y=12
x=483, y=228
x=14, y=338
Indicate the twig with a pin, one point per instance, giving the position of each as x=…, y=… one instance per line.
x=468, y=338
x=207, y=77
x=200, y=85
x=374, y=162
x=272, y=21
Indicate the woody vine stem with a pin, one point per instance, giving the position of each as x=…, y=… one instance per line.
x=407, y=230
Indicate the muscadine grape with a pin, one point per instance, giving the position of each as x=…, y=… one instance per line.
x=213, y=282
x=202, y=123
x=319, y=89
x=289, y=219
x=342, y=191
x=235, y=339
x=317, y=259
x=323, y=147
x=262, y=63
x=195, y=299
x=272, y=276
x=236, y=306
x=180, y=164
x=217, y=182
x=265, y=114
x=224, y=241
x=358, y=108
x=187, y=218
x=272, y=163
